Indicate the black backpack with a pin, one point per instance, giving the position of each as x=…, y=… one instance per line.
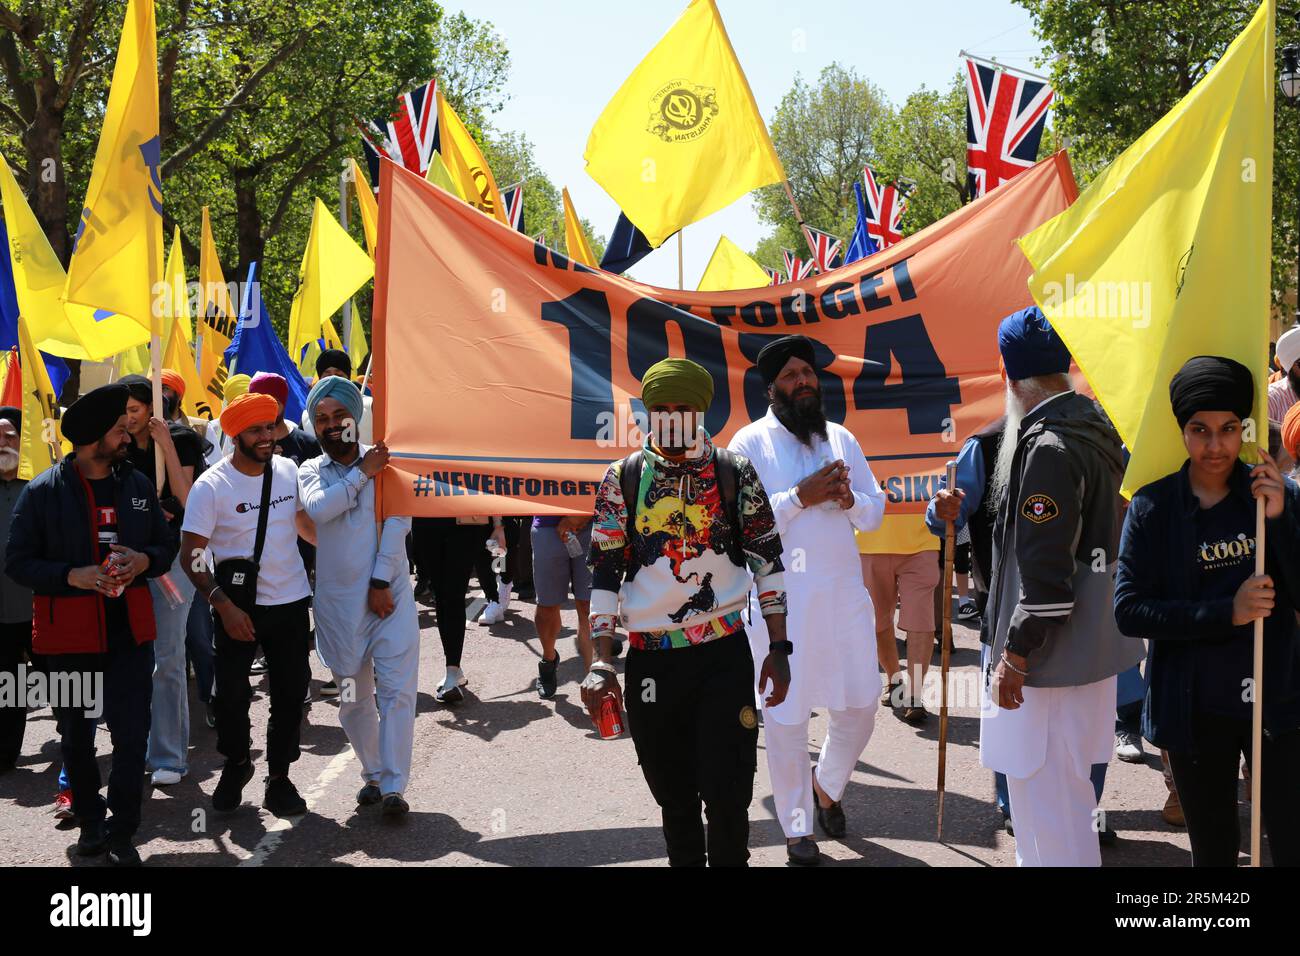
x=724, y=463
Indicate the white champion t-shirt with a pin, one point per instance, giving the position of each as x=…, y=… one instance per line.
x=223, y=506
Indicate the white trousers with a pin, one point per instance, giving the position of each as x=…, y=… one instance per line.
x=1060, y=732
x=383, y=736
x=787, y=763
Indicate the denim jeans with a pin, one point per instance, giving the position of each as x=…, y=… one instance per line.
x=198, y=642
x=169, y=731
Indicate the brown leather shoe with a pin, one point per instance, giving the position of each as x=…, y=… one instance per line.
x=1173, y=811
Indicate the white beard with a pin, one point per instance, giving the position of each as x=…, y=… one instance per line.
x=8, y=459
x=1006, y=449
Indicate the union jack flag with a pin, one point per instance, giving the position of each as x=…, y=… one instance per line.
x=408, y=137
x=540, y=238
x=512, y=197
x=826, y=249
x=775, y=276
x=885, y=208
x=1005, y=116
x=795, y=267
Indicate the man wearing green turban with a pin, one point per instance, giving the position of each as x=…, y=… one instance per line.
x=681, y=533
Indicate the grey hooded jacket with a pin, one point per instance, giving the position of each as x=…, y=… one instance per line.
x=1055, y=547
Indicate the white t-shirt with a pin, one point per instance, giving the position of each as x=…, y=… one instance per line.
x=223, y=506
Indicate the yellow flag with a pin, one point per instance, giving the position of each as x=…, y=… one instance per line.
x=683, y=136
x=730, y=268
x=41, y=440
x=216, y=320
x=333, y=268
x=438, y=175
x=358, y=348
x=369, y=207
x=466, y=165
x=117, y=254
x=575, y=240
x=133, y=361
x=39, y=280
x=1166, y=255
x=180, y=359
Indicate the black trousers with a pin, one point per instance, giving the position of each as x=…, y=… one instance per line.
x=445, y=553
x=687, y=709
x=127, y=692
x=15, y=649
x=282, y=631
x=1207, y=788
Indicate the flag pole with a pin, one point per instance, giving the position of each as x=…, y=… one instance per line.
x=1257, y=708
x=344, y=176
x=681, y=283
x=950, y=548
x=807, y=236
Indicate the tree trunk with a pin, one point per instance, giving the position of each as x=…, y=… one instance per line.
x=248, y=220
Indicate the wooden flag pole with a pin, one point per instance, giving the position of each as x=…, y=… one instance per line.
x=950, y=546
x=344, y=176
x=807, y=236
x=1257, y=708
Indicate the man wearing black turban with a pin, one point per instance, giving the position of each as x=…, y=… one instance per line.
x=85, y=536
x=1186, y=582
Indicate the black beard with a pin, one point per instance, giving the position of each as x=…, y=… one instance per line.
x=337, y=448
x=1294, y=378
x=803, y=416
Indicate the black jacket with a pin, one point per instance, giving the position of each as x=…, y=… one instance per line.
x=52, y=532
x=1155, y=598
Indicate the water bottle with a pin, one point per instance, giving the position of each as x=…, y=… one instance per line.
x=572, y=544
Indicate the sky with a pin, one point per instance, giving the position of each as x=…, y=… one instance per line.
x=569, y=56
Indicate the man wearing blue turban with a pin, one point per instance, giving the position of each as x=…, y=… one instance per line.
x=367, y=631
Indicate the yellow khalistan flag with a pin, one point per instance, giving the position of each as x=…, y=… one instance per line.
x=39, y=280
x=117, y=255
x=358, y=348
x=439, y=176
x=683, y=136
x=1167, y=254
x=41, y=441
x=176, y=299
x=216, y=321
x=368, y=205
x=575, y=240
x=181, y=360
x=465, y=164
x=333, y=268
x=730, y=268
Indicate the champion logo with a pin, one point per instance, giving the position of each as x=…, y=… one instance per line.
x=244, y=507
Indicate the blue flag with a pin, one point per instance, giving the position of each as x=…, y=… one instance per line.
x=55, y=366
x=256, y=348
x=627, y=246
x=861, y=245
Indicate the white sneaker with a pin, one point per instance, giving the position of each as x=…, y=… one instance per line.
x=493, y=613
x=506, y=592
x=1128, y=747
x=449, y=692
x=165, y=778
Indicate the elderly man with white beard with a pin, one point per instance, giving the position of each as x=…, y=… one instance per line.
x=821, y=489
x=1055, y=648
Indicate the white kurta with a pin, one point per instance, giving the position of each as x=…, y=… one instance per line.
x=829, y=619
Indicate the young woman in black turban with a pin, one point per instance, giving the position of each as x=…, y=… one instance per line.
x=1186, y=582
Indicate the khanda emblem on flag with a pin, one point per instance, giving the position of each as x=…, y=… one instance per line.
x=681, y=111
x=484, y=188
x=1182, y=270
x=152, y=155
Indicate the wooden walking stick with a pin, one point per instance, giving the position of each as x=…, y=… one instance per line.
x=950, y=545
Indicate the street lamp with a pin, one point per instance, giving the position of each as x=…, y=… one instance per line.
x=1289, y=81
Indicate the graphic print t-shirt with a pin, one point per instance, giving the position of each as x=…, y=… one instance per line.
x=223, y=507
x=1224, y=558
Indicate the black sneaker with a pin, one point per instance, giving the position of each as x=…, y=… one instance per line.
x=329, y=689
x=369, y=795
x=122, y=853
x=282, y=798
x=231, y=785
x=395, y=807
x=546, y=679
x=210, y=714
x=93, y=839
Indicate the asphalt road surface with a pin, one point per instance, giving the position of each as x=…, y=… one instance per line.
x=508, y=779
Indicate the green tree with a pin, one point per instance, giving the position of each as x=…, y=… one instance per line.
x=925, y=142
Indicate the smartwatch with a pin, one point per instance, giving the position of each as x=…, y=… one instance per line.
x=781, y=647
x=379, y=584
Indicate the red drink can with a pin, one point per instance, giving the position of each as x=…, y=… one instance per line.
x=610, y=723
x=109, y=566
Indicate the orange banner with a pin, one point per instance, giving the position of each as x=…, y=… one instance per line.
x=508, y=377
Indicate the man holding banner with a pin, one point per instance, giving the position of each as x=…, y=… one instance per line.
x=822, y=488
x=681, y=532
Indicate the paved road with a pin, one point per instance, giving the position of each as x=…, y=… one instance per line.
x=508, y=779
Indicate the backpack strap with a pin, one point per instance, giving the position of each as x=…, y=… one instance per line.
x=724, y=464
x=629, y=479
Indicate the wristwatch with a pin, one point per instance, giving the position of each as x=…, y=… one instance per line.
x=781, y=647
x=379, y=584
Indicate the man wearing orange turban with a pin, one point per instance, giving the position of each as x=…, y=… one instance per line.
x=1291, y=435
x=267, y=601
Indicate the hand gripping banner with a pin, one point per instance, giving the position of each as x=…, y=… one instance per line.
x=508, y=376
